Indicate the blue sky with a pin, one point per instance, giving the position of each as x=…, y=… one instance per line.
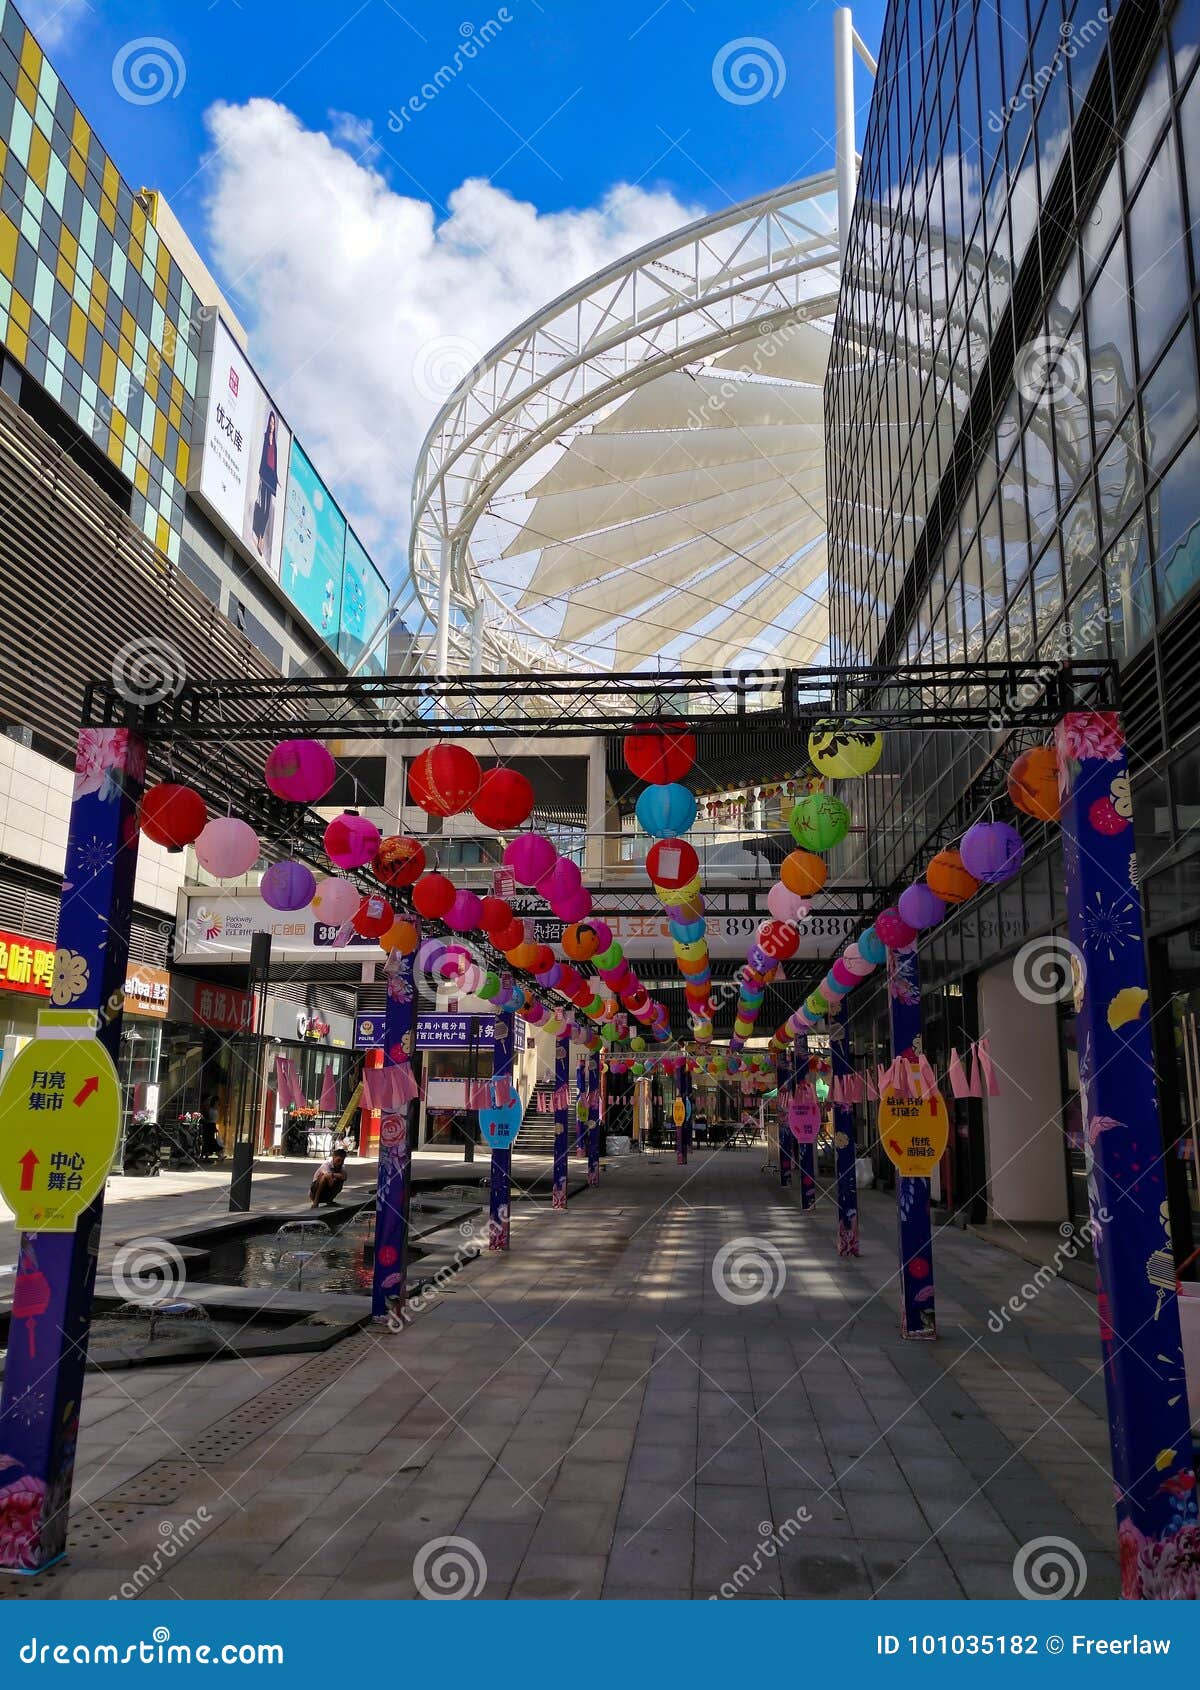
x=566, y=99
x=375, y=241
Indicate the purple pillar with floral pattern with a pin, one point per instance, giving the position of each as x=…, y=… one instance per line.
x=500, y=1184
x=913, y=1219
x=56, y=1271
x=806, y=1153
x=593, y=1112
x=397, y=1130
x=681, y=1153
x=562, y=1104
x=845, y=1144
x=783, y=1096
x=1153, y=1478
x=581, y=1107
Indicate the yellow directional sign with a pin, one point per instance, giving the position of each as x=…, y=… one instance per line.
x=913, y=1131
x=60, y=1114
x=678, y=1112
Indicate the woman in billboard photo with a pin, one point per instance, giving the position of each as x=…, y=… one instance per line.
x=268, y=486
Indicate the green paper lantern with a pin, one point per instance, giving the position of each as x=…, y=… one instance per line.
x=816, y=1004
x=491, y=985
x=609, y=958
x=843, y=750
x=637, y=1042
x=819, y=822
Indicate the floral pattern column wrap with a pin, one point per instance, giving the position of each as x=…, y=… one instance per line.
x=500, y=1185
x=1153, y=1478
x=56, y=1271
x=806, y=1154
x=562, y=1090
x=593, y=1114
x=397, y=1130
x=845, y=1144
x=581, y=1107
x=783, y=1096
x=914, y=1225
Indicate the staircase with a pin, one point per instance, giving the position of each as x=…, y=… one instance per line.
x=536, y=1137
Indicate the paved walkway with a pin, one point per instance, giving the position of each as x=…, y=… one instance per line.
x=591, y=1416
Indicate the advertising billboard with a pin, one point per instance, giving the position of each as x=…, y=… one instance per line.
x=314, y=545
x=244, y=451
x=364, y=603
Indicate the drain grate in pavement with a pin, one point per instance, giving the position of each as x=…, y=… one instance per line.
x=232, y=1434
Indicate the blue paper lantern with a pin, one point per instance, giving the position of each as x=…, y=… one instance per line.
x=871, y=947
x=665, y=812
x=687, y=932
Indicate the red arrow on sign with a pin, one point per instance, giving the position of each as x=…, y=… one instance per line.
x=28, y=1163
x=90, y=1085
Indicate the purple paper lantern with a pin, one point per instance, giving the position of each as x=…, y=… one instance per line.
x=227, y=847
x=300, y=770
x=287, y=886
x=530, y=856
x=351, y=840
x=920, y=907
x=992, y=852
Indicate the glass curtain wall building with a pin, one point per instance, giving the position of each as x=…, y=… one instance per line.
x=1014, y=464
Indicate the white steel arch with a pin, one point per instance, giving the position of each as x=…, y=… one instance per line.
x=637, y=473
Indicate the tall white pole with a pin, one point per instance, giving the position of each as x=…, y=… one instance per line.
x=843, y=91
x=442, y=649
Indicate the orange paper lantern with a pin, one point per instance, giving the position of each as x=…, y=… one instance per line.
x=1033, y=783
x=803, y=872
x=949, y=880
x=401, y=936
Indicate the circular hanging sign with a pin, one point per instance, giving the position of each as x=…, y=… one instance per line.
x=913, y=1131
x=678, y=1112
x=60, y=1116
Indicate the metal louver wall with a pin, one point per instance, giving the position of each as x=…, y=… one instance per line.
x=33, y=910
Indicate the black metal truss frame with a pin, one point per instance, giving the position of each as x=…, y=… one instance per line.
x=934, y=697
x=211, y=733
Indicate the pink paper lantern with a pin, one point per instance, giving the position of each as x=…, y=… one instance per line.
x=351, y=840
x=465, y=912
x=573, y=906
x=530, y=856
x=564, y=878
x=227, y=847
x=893, y=931
x=287, y=886
x=856, y=962
x=300, y=770
x=335, y=900
x=785, y=905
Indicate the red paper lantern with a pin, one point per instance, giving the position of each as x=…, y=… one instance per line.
x=444, y=779
x=544, y=959
x=374, y=917
x=672, y=863
x=433, y=895
x=779, y=939
x=660, y=754
x=398, y=861
x=504, y=800
x=509, y=937
x=494, y=913
x=172, y=815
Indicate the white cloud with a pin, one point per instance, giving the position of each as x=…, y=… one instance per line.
x=356, y=295
x=53, y=21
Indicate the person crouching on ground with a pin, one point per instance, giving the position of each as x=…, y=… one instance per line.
x=329, y=1179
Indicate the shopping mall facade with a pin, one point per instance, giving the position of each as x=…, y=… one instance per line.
x=1014, y=461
